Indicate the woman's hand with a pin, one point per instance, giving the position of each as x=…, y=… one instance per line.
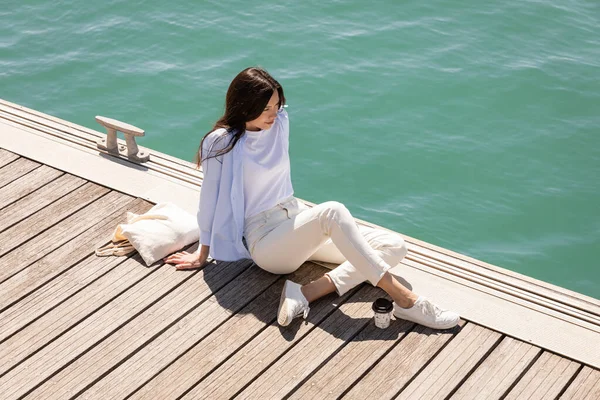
x=184, y=260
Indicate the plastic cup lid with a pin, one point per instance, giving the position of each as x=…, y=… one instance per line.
x=382, y=305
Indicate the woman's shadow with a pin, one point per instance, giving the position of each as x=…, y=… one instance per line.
x=242, y=288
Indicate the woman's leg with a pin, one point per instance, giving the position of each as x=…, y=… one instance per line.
x=298, y=238
x=300, y=235
x=389, y=246
x=295, y=240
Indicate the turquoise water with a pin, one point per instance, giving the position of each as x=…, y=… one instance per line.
x=471, y=125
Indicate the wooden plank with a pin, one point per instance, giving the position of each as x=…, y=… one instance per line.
x=157, y=338
x=452, y=364
x=520, y=283
x=52, y=311
x=59, y=234
x=588, y=312
x=26, y=184
x=514, y=317
x=545, y=379
x=16, y=169
x=335, y=332
x=211, y=351
x=96, y=328
x=157, y=335
x=354, y=360
x=498, y=372
x=17, y=345
x=30, y=293
x=586, y=386
x=39, y=199
x=402, y=363
x=55, y=212
x=263, y=349
x=6, y=157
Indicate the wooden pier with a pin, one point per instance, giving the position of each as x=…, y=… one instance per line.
x=73, y=325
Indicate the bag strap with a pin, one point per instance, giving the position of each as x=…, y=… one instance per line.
x=121, y=248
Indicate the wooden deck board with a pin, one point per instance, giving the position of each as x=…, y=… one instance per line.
x=186, y=313
x=586, y=386
x=545, y=379
x=452, y=364
x=21, y=344
x=6, y=157
x=498, y=372
x=46, y=218
x=505, y=278
x=335, y=332
x=262, y=350
x=16, y=169
x=36, y=201
x=90, y=331
x=34, y=290
x=76, y=324
x=178, y=338
x=26, y=184
x=68, y=314
x=355, y=359
x=230, y=337
x=57, y=235
x=401, y=364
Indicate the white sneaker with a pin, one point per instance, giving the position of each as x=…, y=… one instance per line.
x=428, y=314
x=292, y=304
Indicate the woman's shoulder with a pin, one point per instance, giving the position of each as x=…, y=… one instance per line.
x=217, y=133
x=216, y=137
x=282, y=113
x=283, y=122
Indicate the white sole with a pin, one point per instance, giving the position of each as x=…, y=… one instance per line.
x=282, y=316
x=447, y=326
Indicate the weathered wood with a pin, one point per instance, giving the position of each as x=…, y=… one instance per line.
x=6, y=157
x=586, y=386
x=499, y=370
x=453, y=363
x=38, y=291
x=402, y=363
x=135, y=349
x=18, y=345
x=59, y=234
x=40, y=221
x=421, y=251
x=15, y=170
x=95, y=329
x=39, y=199
x=263, y=349
x=182, y=374
x=26, y=184
x=347, y=366
x=321, y=343
x=545, y=379
x=178, y=338
x=586, y=317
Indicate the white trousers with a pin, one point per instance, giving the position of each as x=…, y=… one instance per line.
x=282, y=238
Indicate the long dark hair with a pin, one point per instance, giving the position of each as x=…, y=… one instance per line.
x=247, y=96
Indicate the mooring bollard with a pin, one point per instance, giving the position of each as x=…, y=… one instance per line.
x=110, y=144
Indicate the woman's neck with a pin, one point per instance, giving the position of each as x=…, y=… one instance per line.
x=252, y=128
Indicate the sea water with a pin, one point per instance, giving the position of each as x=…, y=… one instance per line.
x=470, y=125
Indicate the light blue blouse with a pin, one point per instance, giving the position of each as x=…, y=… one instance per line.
x=221, y=209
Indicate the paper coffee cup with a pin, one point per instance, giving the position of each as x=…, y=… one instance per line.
x=383, y=312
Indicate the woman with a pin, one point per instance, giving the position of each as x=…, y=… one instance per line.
x=247, y=210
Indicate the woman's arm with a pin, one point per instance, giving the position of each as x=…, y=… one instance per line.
x=283, y=118
x=209, y=191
